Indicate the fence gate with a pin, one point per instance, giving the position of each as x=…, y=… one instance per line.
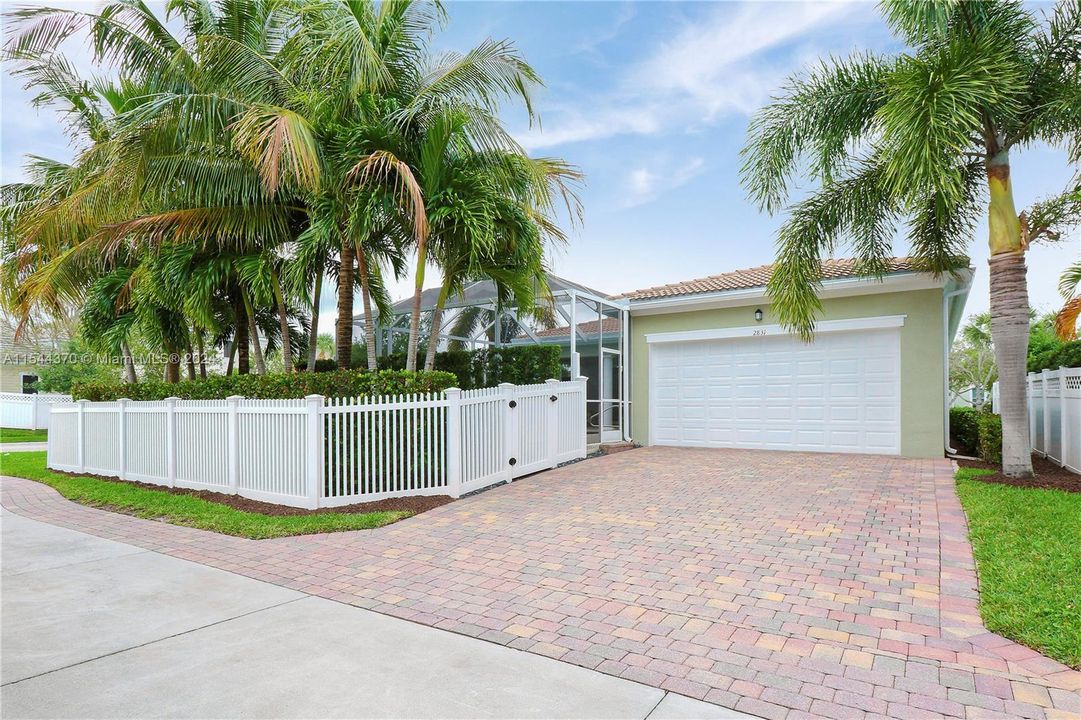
x=544, y=425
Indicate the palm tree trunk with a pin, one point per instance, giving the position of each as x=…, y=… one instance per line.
x=172, y=365
x=283, y=320
x=253, y=330
x=202, y=354
x=344, y=330
x=414, y=318
x=1009, y=318
x=129, y=364
x=437, y=321
x=242, y=365
x=313, y=331
x=366, y=299
x=232, y=352
x=191, y=360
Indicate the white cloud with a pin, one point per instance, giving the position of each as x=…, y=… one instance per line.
x=707, y=70
x=645, y=184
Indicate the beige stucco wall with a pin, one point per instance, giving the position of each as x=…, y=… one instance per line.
x=921, y=356
x=11, y=377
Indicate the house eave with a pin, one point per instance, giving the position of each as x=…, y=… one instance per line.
x=841, y=287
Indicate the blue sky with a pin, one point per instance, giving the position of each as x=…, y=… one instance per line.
x=652, y=101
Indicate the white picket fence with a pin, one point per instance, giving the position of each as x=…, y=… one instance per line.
x=327, y=452
x=29, y=412
x=1054, y=415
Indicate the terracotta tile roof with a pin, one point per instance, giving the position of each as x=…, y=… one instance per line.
x=608, y=325
x=832, y=269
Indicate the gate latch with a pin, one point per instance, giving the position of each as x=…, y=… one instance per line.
x=553, y=398
x=513, y=461
x=513, y=404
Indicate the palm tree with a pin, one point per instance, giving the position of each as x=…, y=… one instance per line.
x=924, y=137
x=1070, y=287
x=492, y=218
x=160, y=175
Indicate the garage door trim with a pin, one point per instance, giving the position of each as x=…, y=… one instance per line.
x=865, y=323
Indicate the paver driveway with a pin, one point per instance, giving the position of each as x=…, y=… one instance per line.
x=783, y=585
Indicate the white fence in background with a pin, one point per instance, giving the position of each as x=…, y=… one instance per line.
x=327, y=452
x=29, y=412
x=1054, y=415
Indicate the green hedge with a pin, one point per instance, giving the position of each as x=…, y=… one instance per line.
x=990, y=436
x=964, y=429
x=518, y=364
x=1065, y=355
x=340, y=383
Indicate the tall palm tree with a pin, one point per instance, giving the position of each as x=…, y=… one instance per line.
x=924, y=137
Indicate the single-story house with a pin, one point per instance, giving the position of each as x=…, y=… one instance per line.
x=711, y=367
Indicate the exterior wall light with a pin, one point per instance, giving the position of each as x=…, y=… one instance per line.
x=758, y=315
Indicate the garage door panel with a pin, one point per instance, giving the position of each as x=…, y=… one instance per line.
x=844, y=390
x=842, y=413
x=839, y=394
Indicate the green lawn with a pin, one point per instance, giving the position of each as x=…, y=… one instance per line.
x=185, y=509
x=1027, y=543
x=18, y=435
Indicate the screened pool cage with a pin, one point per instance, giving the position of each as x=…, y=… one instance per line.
x=597, y=349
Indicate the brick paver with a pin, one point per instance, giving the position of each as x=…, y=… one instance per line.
x=784, y=584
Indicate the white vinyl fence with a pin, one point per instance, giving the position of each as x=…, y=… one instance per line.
x=29, y=412
x=327, y=452
x=1054, y=415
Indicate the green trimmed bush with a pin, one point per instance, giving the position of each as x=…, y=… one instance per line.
x=518, y=364
x=277, y=386
x=1064, y=355
x=964, y=428
x=989, y=428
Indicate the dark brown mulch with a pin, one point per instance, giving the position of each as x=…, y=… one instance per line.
x=415, y=504
x=1048, y=475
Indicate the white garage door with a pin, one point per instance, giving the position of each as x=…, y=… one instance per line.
x=839, y=394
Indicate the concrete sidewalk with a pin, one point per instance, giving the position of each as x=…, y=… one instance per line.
x=97, y=628
x=24, y=447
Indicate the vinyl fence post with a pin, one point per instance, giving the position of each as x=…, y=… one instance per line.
x=583, y=412
x=1045, y=375
x=314, y=437
x=170, y=440
x=80, y=436
x=510, y=428
x=34, y=412
x=233, y=441
x=553, y=422
x=454, y=441
x=1030, y=397
x=122, y=437
x=1064, y=436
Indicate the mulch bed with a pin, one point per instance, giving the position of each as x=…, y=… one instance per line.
x=1048, y=475
x=415, y=504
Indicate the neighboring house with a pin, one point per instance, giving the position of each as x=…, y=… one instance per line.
x=972, y=396
x=20, y=361
x=710, y=366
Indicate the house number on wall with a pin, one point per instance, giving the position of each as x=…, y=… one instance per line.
x=758, y=332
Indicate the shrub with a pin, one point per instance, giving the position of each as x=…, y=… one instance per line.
x=325, y=365
x=1064, y=355
x=340, y=383
x=964, y=428
x=518, y=364
x=990, y=437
